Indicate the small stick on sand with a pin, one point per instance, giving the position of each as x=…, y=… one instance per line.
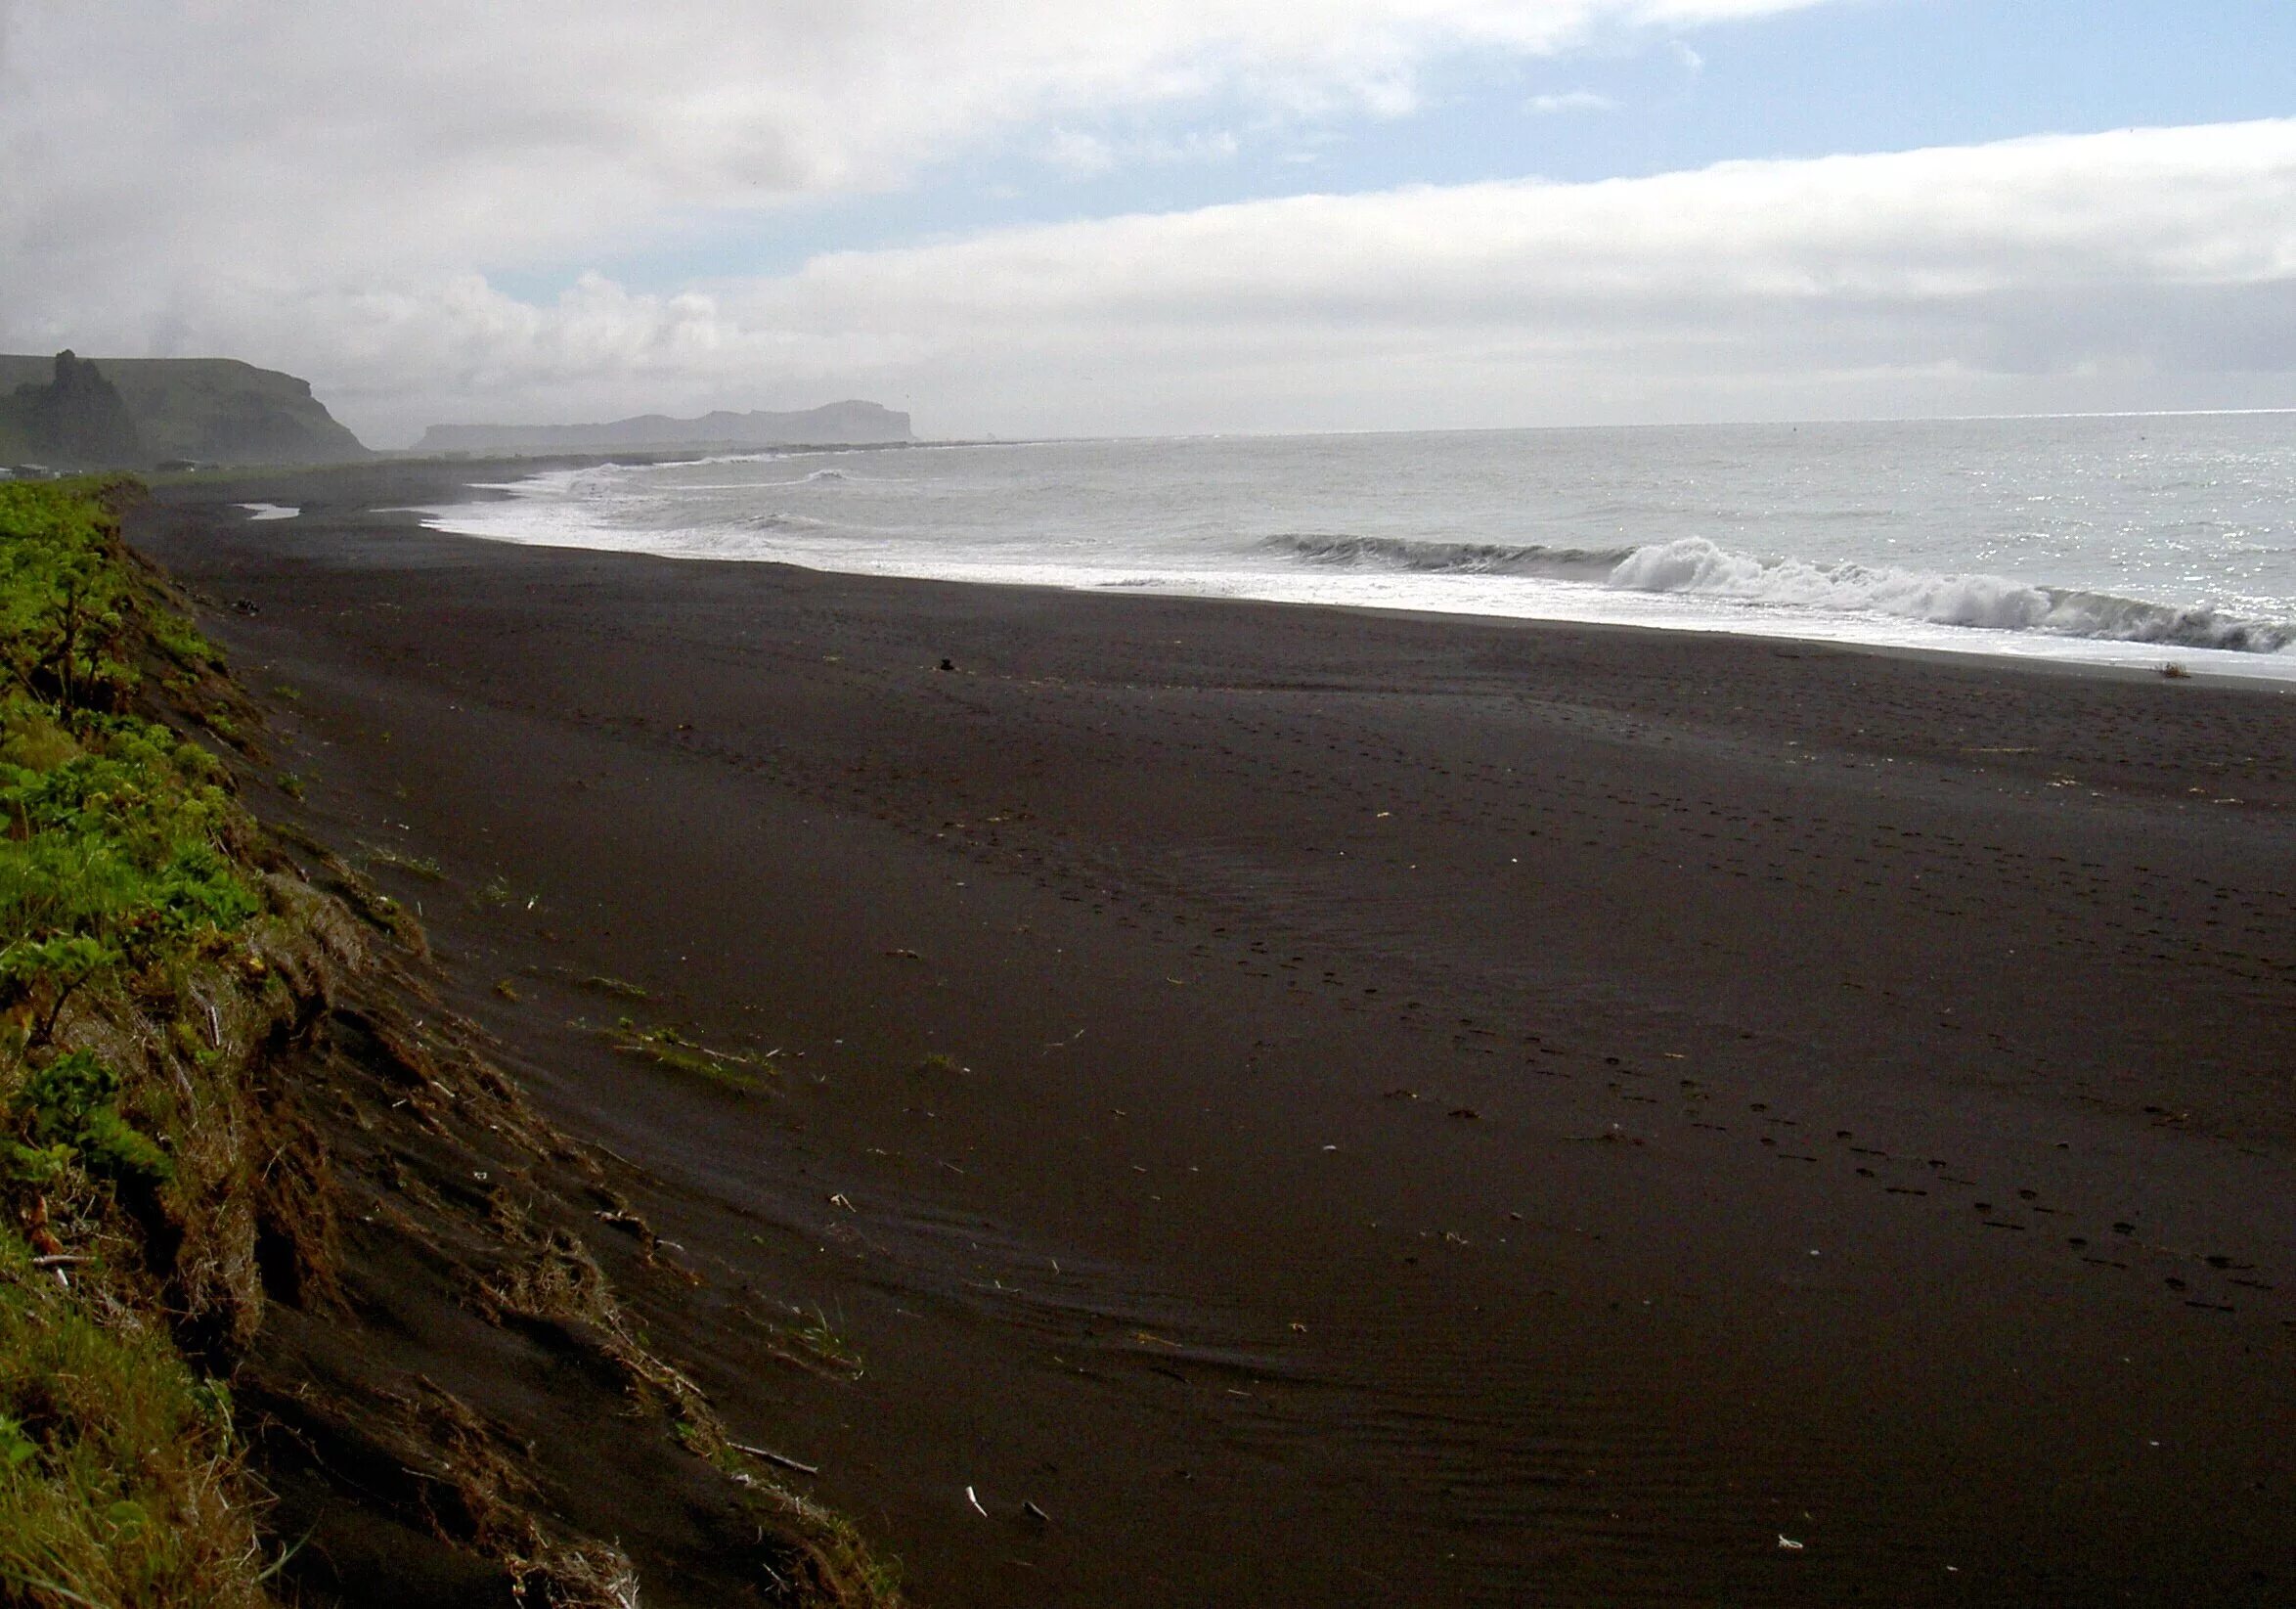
x=773, y=1457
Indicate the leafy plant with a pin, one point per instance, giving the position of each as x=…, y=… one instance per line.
x=16, y=1447
x=45, y=973
x=120, y=864
x=64, y=600
x=67, y=1112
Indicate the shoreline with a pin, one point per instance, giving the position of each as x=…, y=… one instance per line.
x=1619, y=971
x=2080, y=654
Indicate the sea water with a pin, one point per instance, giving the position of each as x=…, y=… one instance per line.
x=2133, y=539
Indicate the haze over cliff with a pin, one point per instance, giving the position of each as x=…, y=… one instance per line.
x=61, y=410
x=837, y=423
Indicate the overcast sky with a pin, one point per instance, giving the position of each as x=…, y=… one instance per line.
x=1054, y=216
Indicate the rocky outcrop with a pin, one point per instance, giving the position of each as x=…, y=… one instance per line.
x=204, y=409
x=79, y=419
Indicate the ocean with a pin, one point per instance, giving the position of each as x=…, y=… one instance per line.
x=2129, y=539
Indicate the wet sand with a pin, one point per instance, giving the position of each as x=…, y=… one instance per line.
x=1334, y=1109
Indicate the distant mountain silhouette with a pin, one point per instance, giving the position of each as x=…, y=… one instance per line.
x=838, y=424
x=208, y=410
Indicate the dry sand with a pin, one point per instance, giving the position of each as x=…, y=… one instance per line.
x=1333, y=1108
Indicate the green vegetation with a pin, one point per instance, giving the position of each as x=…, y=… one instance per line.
x=164, y=978
x=119, y=1477
x=121, y=903
x=415, y=865
x=817, y=1346
x=666, y=1046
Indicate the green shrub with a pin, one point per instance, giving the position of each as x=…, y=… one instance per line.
x=64, y=597
x=112, y=857
x=118, y=858
x=67, y=1113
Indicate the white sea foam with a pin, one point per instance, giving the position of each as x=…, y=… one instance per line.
x=1989, y=603
x=270, y=511
x=2101, y=540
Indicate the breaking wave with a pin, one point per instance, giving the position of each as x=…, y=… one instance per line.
x=1396, y=552
x=1695, y=565
x=1700, y=568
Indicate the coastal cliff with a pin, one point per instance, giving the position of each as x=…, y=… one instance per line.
x=203, y=410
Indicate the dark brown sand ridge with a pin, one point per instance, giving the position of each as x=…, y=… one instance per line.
x=1333, y=1108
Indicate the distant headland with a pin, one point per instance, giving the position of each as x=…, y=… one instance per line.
x=77, y=413
x=70, y=413
x=839, y=423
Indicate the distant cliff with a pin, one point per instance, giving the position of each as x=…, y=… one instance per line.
x=839, y=422
x=209, y=410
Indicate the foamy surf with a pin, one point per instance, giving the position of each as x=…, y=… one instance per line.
x=1700, y=567
x=1983, y=602
x=2121, y=542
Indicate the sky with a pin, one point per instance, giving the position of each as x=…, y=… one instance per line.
x=1032, y=217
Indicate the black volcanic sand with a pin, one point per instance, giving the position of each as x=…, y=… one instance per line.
x=1338, y=1108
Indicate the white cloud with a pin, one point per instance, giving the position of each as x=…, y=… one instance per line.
x=2072, y=218
x=1080, y=155
x=200, y=177
x=2140, y=268
x=328, y=189
x=318, y=139
x=1575, y=100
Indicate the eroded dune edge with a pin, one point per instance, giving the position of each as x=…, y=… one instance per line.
x=300, y=1297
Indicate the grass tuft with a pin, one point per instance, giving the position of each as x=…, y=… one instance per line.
x=121, y=1480
x=667, y=1046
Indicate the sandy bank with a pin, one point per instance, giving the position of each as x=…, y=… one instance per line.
x=1346, y=1109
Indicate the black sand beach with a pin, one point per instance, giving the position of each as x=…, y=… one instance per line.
x=1272, y=1106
